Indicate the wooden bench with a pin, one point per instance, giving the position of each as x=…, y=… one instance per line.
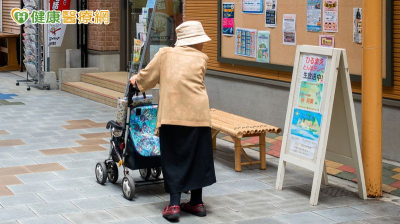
x=238, y=127
x=11, y=50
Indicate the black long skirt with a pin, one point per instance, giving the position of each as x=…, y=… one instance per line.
x=186, y=158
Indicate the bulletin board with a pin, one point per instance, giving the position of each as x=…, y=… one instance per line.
x=281, y=56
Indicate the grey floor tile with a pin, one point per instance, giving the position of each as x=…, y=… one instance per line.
x=219, y=202
x=19, y=154
x=37, y=177
x=218, y=189
x=140, y=198
x=253, y=197
x=99, y=203
x=130, y=221
x=288, y=181
x=35, y=187
x=4, y=156
x=289, y=193
x=385, y=220
x=260, y=221
x=245, y=174
x=257, y=210
x=51, y=219
x=55, y=208
x=15, y=136
x=295, y=205
x=248, y=185
x=87, y=163
x=98, y=190
x=344, y=214
x=33, y=147
x=222, y=215
x=136, y=211
x=90, y=217
x=20, y=200
x=379, y=208
x=69, y=184
x=86, y=156
x=303, y=217
x=9, y=222
x=75, y=173
x=185, y=218
x=331, y=202
x=51, y=159
x=14, y=213
x=37, y=140
x=61, y=195
x=16, y=162
x=65, y=144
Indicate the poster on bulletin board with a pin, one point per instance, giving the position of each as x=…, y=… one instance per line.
x=228, y=19
x=263, y=46
x=270, y=13
x=314, y=15
x=331, y=15
x=245, y=42
x=252, y=6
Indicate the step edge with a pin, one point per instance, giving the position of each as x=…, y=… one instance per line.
x=109, y=80
x=92, y=91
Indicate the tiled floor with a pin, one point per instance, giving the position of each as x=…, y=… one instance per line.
x=391, y=173
x=51, y=141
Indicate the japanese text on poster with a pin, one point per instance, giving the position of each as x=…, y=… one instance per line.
x=312, y=72
x=331, y=15
x=245, y=40
x=327, y=41
x=313, y=68
x=252, y=6
x=263, y=54
x=357, y=25
x=270, y=13
x=310, y=96
x=304, y=132
x=314, y=15
x=228, y=19
x=289, y=29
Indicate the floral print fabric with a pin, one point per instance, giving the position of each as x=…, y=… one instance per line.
x=142, y=127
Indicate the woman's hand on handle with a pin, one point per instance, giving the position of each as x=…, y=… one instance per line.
x=133, y=80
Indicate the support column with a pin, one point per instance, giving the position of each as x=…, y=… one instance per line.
x=372, y=96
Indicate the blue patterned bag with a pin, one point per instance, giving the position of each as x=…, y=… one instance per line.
x=142, y=127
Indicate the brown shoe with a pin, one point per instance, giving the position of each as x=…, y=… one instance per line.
x=197, y=210
x=171, y=212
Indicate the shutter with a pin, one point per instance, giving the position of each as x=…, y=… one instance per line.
x=9, y=26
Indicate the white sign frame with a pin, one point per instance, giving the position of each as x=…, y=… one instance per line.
x=338, y=124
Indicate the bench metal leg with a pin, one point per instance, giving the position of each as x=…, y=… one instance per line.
x=263, y=164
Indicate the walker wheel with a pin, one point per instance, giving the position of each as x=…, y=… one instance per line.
x=17, y=83
x=128, y=187
x=101, y=173
x=112, y=172
x=145, y=173
x=29, y=88
x=156, y=172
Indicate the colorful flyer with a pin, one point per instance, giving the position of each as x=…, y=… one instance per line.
x=310, y=96
x=313, y=68
x=228, y=19
x=270, y=13
x=327, y=41
x=306, y=124
x=245, y=40
x=289, y=29
x=331, y=15
x=357, y=25
x=252, y=6
x=314, y=15
x=263, y=54
x=150, y=4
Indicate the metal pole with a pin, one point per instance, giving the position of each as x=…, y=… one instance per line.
x=372, y=96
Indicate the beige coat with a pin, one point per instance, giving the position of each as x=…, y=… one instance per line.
x=183, y=98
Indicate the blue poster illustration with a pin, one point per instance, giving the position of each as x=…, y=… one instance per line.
x=228, y=19
x=314, y=15
x=306, y=124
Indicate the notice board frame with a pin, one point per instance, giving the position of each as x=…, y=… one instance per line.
x=387, y=81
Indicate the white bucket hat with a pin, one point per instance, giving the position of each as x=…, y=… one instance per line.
x=190, y=33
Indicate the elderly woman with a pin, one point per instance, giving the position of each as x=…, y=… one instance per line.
x=183, y=118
